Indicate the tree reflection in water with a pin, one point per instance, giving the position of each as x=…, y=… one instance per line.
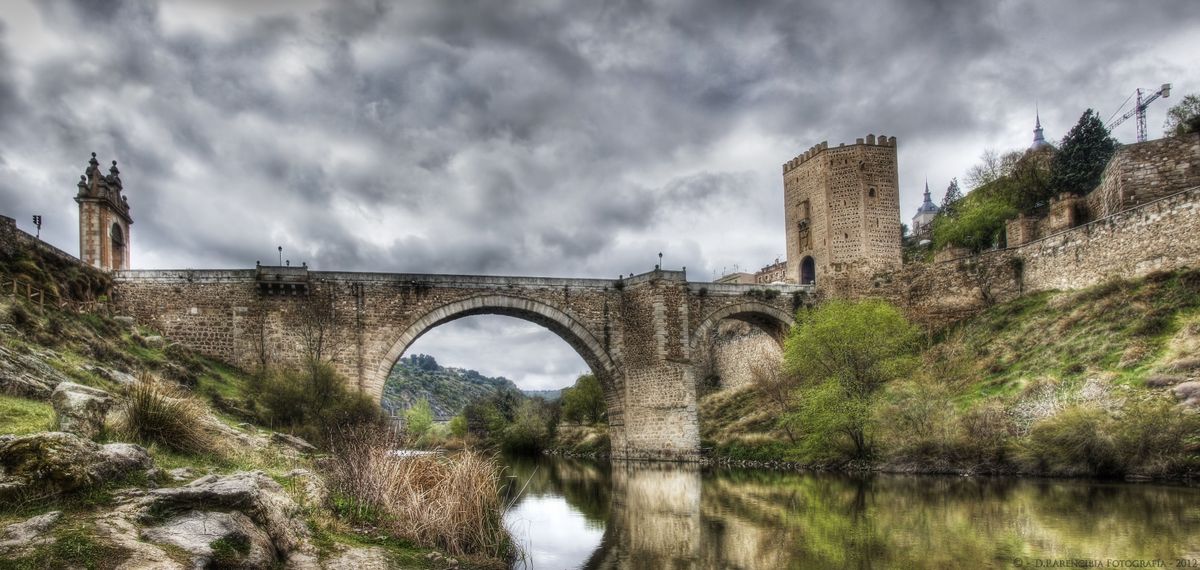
x=678, y=516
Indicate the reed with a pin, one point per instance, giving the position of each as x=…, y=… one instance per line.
x=449, y=502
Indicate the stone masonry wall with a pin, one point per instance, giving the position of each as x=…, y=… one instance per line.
x=1161, y=235
x=1143, y=172
x=635, y=334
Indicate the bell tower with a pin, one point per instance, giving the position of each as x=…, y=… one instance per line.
x=103, y=218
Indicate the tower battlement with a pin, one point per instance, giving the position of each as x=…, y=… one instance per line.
x=872, y=140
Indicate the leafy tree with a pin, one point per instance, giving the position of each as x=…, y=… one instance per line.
x=529, y=430
x=842, y=353
x=425, y=362
x=458, y=426
x=977, y=225
x=584, y=402
x=1184, y=117
x=418, y=419
x=1081, y=158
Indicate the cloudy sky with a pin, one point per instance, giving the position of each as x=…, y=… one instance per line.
x=530, y=138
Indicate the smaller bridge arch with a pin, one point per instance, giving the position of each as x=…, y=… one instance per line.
x=768, y=317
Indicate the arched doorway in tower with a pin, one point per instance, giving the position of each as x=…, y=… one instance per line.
x=808, y=271
x=117, y=237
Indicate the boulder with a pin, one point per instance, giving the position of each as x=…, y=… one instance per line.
x=234, y=436
x=27, y=374
x=366, y=558
x=154, y=341
x=182, y=474
x=309, y=487
x=124, y=321
x=80, y=409
x=254, y=494
x=60, y=462
x=293, y=442
x=18, y=539
x=118, y=529
x=115, y=376
x=216, y=539
x=1189, y=392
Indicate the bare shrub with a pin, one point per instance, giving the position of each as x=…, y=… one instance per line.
x=447, y=502
x=157, y=412
x=1076, y=441
x=777, y=386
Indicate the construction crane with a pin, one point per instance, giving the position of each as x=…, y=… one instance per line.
x=1139, y=109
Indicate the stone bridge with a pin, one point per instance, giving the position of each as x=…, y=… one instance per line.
x=641, y=335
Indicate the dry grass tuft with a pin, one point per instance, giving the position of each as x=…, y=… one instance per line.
x=157, y=412
x=447, y=502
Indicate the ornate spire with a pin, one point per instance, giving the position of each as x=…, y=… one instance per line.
x=1038, y=140
x=93, y=169
x=114, y=175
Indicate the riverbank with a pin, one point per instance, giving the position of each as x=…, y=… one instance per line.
x=1103, y=382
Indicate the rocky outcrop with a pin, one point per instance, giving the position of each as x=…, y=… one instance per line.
x=27, y=374
x=80, y=409
x=112, y=375
x=50, y=463
x=296, y=443
x=18, y=539
x=216, y=539
x=367, y=558
x=253, y=494
x=309, y=487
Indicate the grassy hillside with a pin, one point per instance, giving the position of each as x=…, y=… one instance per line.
x=39, y=349
x=1096, y=381
x=448, y=390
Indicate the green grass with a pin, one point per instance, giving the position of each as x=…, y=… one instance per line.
x=75, y=546
x=19, y=416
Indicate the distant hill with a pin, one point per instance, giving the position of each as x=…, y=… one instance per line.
x=548, y=395
x=447, y=389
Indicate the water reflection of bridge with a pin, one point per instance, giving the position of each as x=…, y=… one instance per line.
x=661, y=516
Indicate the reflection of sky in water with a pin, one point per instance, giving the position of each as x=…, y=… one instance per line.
x=552, y=534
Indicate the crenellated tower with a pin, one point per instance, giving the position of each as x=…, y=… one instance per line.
x=842, y=207
x=103, y=218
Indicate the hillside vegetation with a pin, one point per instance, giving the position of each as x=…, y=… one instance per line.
x=1102, y=381
x=448, y=390
x=117, y=445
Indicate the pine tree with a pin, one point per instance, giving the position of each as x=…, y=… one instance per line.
x=1082, y=156
x=952, y=197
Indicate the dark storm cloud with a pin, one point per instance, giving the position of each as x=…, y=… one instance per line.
x=538, y=138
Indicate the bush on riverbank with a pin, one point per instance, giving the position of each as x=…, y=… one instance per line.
x=312, y=401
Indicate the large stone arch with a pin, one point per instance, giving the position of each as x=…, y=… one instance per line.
x=566, y=326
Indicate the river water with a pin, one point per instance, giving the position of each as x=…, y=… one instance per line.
x=570, y=513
